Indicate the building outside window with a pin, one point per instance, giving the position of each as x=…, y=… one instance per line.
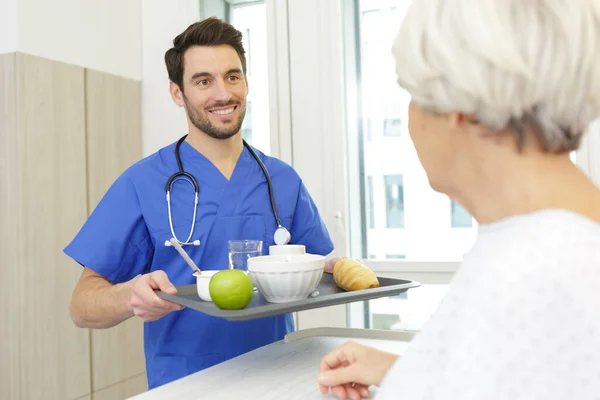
x=460, y=217
x=392, y=127
x=416, y=222
x=394, y=199
x=370, y=205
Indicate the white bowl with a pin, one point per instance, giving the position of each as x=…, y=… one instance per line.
x=202, y=282
x=286, y=278
x=287, y=249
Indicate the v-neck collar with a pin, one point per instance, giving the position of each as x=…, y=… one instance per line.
x=204, y=170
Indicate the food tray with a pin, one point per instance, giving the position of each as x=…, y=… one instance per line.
x=329, y=295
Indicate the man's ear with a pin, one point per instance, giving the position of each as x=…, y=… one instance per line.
x=176, y=93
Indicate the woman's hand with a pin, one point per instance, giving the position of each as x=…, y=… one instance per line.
x=350, y=369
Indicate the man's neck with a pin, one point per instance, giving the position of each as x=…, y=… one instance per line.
x=223, y=153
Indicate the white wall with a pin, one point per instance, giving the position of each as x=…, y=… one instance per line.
x=162, y=121
x=101, y=35
x=317, y=109
x=8, y=26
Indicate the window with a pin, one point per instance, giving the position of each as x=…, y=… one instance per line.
x=247, y=43
x=460, y=217
x=395, y=257
x=370, y=203
x=250, y=18
x=392, y=127
x=418, y=226
x=408, y=311
x=247, y=124
x=369, y=130
x=415, y=220
x=394, y=200
x=343, y=136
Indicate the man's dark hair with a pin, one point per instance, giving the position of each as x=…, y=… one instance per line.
x=209, y=32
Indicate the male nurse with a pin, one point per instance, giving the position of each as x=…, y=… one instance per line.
x=122, y=246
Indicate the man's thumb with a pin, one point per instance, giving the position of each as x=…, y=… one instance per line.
x=161, y=282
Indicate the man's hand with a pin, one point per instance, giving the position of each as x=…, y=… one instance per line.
x=329, y=264
x=145, y=303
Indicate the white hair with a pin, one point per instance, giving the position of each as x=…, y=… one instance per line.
x=508, y=62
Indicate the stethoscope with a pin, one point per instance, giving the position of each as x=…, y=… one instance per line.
x=281, y=236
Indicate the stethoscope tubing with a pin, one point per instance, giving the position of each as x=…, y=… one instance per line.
x=181, y=174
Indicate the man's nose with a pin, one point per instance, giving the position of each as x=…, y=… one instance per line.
x=221, y=92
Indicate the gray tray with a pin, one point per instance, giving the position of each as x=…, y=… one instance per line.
x=329, y=295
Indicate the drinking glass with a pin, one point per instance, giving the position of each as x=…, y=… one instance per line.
x=241, y=250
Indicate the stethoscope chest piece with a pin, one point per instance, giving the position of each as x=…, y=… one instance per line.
x=282, y=236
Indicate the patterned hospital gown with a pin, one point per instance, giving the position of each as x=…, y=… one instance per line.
x=521, y=319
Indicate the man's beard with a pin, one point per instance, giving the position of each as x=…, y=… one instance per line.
x=202, y=122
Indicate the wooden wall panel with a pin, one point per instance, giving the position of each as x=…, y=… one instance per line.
x=44, y=204
x=114, y=142
x=9, y=385
x=123, y=390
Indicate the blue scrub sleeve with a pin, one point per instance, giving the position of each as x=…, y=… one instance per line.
x=307, y=227
x=114, y=241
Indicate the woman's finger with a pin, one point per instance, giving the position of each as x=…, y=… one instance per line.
x=339, y=391
x=342, y=375
x=363, y=390
x=333, y=359
x=351, y=391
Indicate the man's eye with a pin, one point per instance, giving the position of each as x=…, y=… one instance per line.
x=203, y=82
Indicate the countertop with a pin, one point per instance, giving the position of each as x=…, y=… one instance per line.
x=283, y=370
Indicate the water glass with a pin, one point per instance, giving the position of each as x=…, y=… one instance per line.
x=241, y=250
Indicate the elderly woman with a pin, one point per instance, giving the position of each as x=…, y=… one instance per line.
x=502, y=91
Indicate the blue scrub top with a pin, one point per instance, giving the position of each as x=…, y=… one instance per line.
x=125, y=235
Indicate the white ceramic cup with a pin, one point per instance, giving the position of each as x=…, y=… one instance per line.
x=202, y=284
x=287, y=249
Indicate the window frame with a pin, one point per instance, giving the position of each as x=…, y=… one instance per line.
x=318, y=134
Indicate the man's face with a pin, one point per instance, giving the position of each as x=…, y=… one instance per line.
x=214, y=90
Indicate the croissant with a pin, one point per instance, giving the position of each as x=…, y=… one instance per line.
x=350, y=274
